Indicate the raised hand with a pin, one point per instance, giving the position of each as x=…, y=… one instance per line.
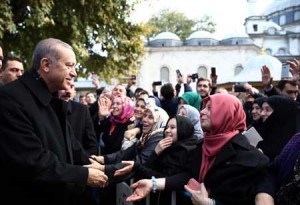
x=266, y=76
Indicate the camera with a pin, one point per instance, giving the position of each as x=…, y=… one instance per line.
x=157, y=83
x=239, y=87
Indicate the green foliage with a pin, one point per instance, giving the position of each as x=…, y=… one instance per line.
x=82, y=24
x=178, y=23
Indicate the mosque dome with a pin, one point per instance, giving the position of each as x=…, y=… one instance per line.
x=252, y=72
x=280, y=5
x=167, y=39
x=166, y=36
x=200, y=34
x=236, y=38
x=201, y=38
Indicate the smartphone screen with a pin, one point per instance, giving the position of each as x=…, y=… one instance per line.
x=213, y=71
x=285, y=71
x=194, y=184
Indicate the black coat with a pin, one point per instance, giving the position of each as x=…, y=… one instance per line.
x=83, y=127
x=112, y=141
x=235, y=173
x=37, y=149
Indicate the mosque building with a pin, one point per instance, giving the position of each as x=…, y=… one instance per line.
x=270, y=38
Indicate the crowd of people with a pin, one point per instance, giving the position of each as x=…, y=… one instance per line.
x=188, y=139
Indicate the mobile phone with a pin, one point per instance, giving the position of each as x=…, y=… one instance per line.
x=95, y=76
x=194, y=76
x=213, y=71
x=285, y=71
x=178, y=73
x=239, y=87
x=157, y=83
x=194, y=184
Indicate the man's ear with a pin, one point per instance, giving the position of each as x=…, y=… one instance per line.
x=45, y=65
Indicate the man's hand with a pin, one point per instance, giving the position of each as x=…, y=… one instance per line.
x=96, y=178
x=99, y=159
x=163, y=144
x=96, y=165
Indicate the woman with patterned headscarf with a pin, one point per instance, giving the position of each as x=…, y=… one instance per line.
x=154, y=121
x=114, y=121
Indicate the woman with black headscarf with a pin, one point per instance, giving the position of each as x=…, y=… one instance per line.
x=280, y=123
x=169, y=160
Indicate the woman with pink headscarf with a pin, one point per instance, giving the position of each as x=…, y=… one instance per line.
x=114, y=120
x=230, y=167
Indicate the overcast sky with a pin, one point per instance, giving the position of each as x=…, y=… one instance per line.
x=228, y=14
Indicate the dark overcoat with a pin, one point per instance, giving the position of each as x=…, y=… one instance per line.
x=37, y=150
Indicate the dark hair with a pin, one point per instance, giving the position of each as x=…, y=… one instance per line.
x=204, y=79
x=282, y=83
x=9, y=58
x=47, y=48
x=99, y=91
x=143, y=92
x=167, y=91
x=137, y=90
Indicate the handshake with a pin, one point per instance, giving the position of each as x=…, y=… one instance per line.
x=96, y=175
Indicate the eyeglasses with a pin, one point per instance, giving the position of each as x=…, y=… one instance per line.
x=292, y=92
x=16, y=70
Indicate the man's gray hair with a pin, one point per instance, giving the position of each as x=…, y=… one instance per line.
x=47, y=48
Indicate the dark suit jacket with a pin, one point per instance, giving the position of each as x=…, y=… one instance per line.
x=37, y=150
x=83, y=127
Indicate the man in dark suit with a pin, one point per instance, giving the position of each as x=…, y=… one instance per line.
x=41, y=162
x=81, y=121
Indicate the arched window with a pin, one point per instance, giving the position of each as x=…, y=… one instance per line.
x=281, y=52
x=268, y=51
x=238, y=69
x=297, y=16
x=202, y=72
x=164, y=75
x=282, y=20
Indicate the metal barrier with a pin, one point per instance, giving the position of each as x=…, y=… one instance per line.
x=124, y=190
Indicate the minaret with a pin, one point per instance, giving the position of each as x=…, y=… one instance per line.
x=252, y=8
